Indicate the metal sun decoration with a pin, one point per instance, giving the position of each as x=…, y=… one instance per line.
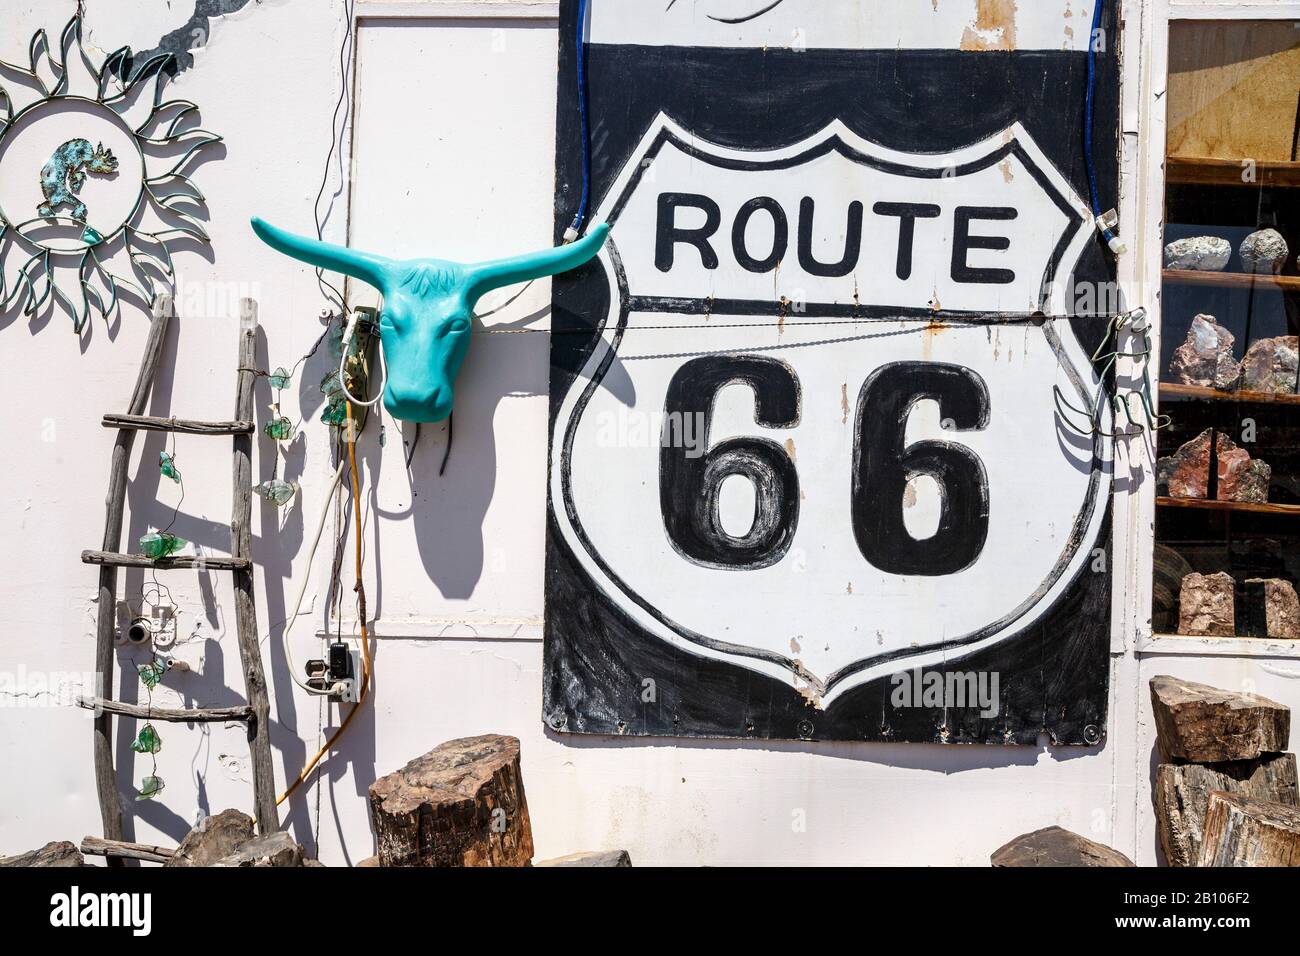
x=58, y=231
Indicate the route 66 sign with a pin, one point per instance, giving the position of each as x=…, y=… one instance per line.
x=806, y=464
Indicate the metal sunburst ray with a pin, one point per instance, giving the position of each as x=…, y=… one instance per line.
x=176, y=202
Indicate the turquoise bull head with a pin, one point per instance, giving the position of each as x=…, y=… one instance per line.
x=424, y=327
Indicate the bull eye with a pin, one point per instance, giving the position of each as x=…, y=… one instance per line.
x=459, y=325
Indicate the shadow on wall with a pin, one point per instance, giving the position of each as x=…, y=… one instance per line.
x=940, y=758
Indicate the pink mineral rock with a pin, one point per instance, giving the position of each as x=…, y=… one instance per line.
x=1205, y=359
x=1186, y=473
x=1205, y=605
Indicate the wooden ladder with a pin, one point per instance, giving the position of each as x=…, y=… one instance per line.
x=256, y=713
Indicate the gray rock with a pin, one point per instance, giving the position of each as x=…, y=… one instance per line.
x=1056, y=846
x=58, y=853
x=1270, y=365
x=1206, y=253
x=1263, y=251
x=274, y=849
x=593, y=858
x=216, y=837
x=1205, y=359
x=1206, y=605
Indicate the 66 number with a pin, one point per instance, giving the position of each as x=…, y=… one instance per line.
x=883, y=465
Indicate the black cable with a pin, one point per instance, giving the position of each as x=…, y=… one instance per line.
x=446, y=454
x=335, y=134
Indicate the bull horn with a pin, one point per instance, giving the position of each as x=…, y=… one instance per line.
x=373, y=269
x=485, y=276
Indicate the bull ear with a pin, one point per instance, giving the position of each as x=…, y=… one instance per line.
x=365, y=266
x=486, y=276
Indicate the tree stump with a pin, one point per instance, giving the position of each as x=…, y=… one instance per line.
x=1182, y=796
x=461, y=804
x=1204, y=724
x=1241, y=831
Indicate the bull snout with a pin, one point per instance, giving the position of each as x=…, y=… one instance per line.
x=417, y=402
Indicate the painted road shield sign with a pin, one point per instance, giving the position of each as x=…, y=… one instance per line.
x=894, y=514
x=808, y=457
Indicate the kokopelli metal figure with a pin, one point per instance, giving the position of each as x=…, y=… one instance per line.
x=64, y=175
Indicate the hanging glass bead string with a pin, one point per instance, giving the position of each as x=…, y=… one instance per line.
x=162, y=543
x=148, y=740
x=280, y=428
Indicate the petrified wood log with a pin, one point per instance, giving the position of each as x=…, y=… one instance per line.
x=461, y=804
x=1207, y=605
x=1240, y=831
x=270, y=850
x=1182, y=796
x=1056, y=846
x=1272, y=609
x=215, y=838
x=615, y=858
x=57, y=853
x=1205, y=724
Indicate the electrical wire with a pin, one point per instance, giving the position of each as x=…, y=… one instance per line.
x=1090, y=102
x=306, y=578
x=360, y=589
x=343, y=358
x=575, y=227
x=328, y=289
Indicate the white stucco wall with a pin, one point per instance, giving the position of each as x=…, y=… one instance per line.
x=455, y=564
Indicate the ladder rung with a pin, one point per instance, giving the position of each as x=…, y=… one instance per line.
x=126, y=851
x=164, y=564
x=184, y=715
x=149, y=423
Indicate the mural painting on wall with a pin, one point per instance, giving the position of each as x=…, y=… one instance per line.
x=810, y=474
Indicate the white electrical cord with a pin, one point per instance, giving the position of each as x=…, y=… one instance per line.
x=306, y=578
x=343, y=358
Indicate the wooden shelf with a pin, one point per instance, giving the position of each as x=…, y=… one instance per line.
x=1205, y=171
x=1173, y=390
x=1210, y=504
x=1233, y=280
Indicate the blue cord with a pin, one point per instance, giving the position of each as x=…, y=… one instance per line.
x=576, y=226
x=1088, y=110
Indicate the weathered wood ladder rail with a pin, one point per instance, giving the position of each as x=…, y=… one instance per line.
x=256, y=714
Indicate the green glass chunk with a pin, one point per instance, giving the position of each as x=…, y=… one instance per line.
x=281, y=429
x=330, y=384
x=91, y=236
x=160, y=544
x=277, y=491
x=151, y=673
x=167, y=465
x=150, y=787
x=335, y=412
x=280, y=378
x=147, y=741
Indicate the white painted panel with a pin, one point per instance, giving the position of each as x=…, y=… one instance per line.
x=456, y=160
x=880, y=24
